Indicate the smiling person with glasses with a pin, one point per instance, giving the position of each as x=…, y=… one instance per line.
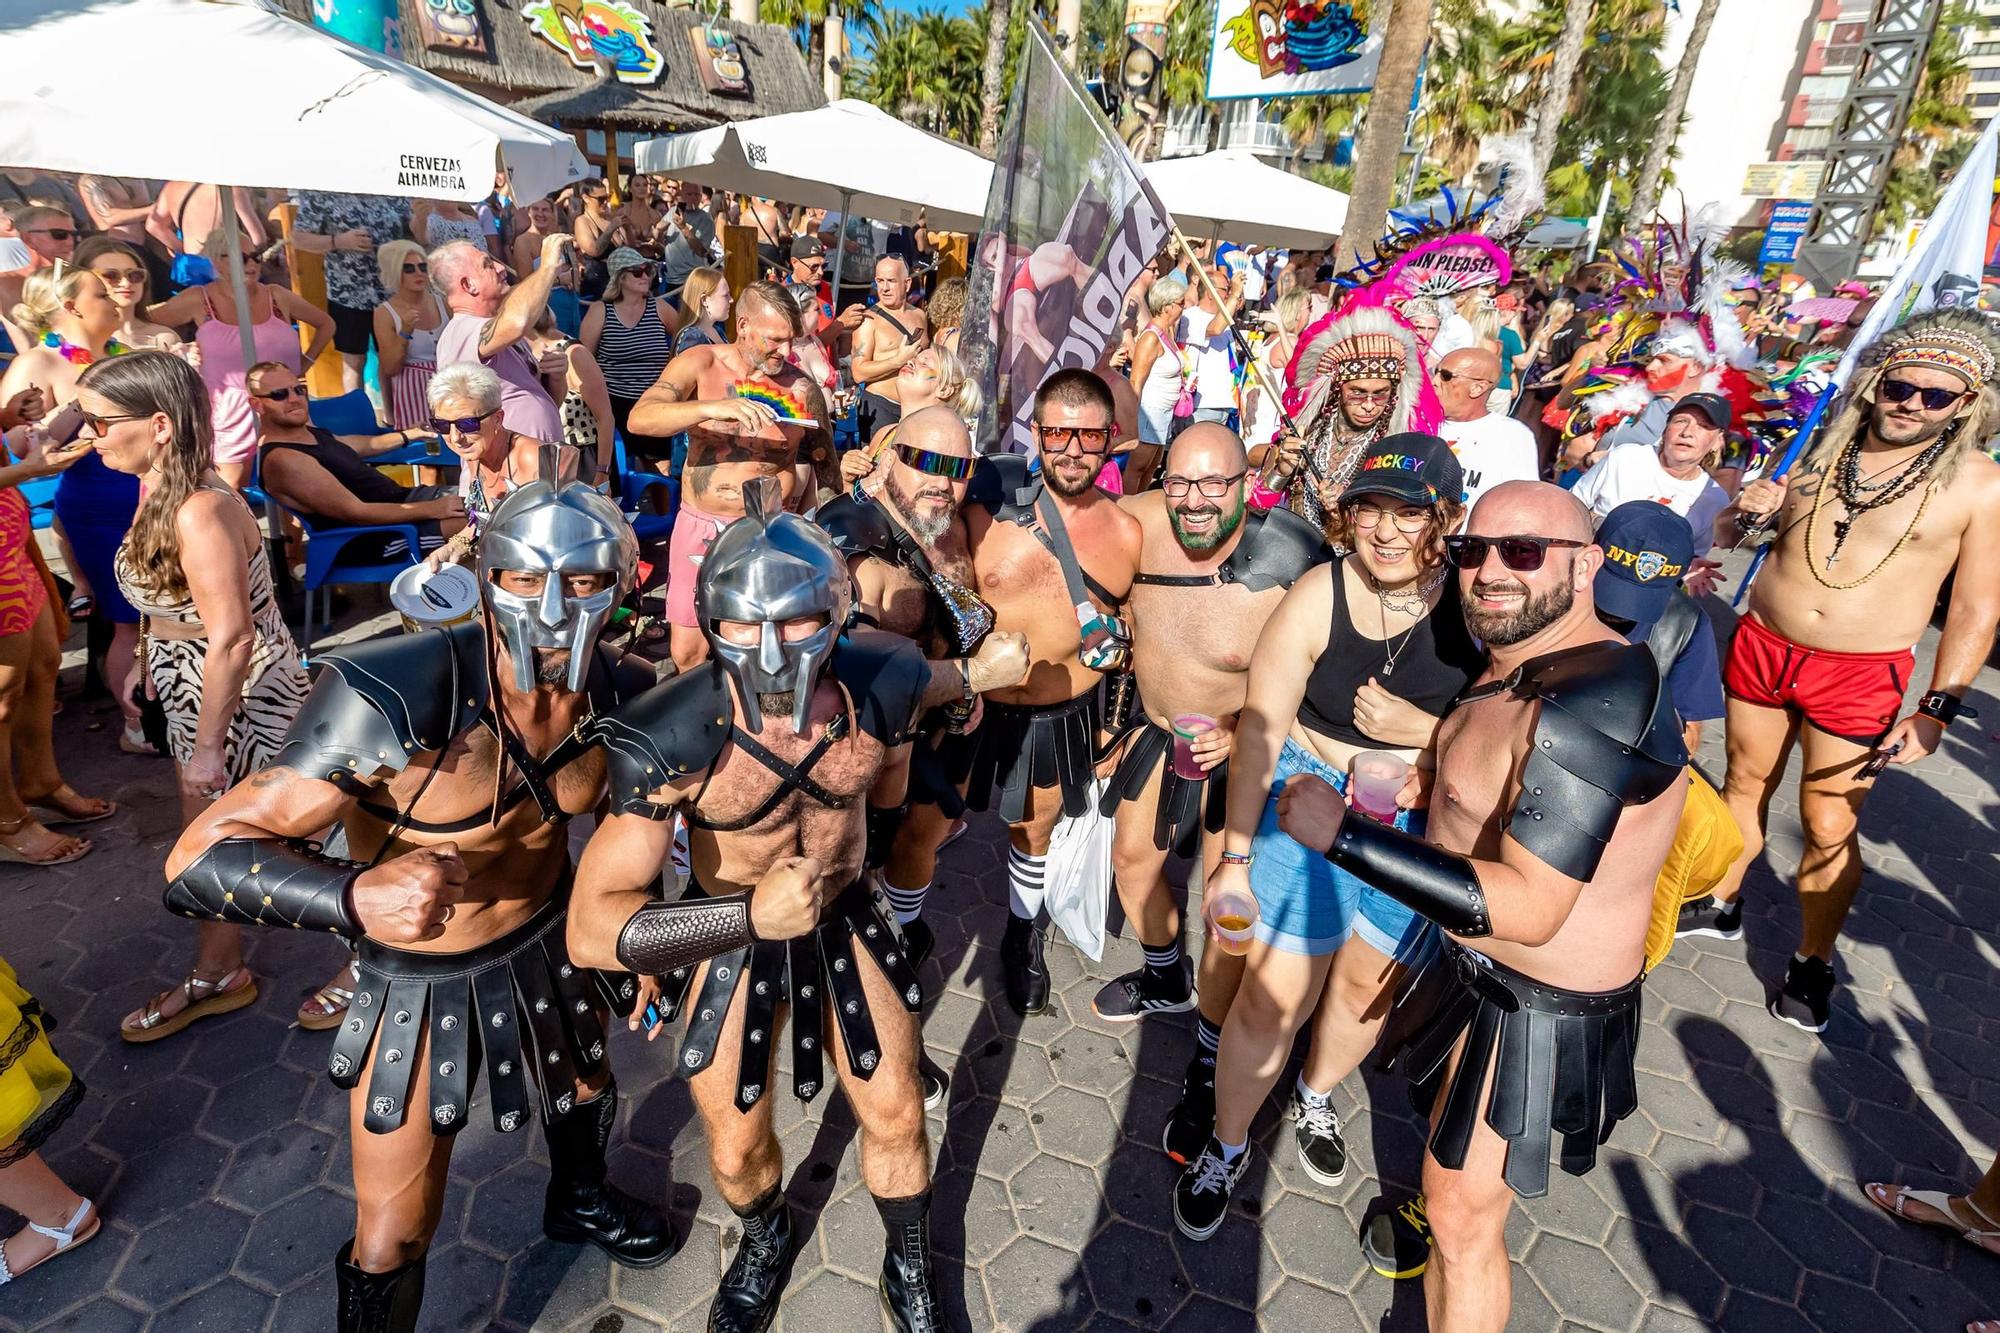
x=466, y=411
x=122, y=270
x=1361, y=657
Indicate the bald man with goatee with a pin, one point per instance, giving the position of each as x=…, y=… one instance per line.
x=1492, y=447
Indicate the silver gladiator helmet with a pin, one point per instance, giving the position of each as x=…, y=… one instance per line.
x=764, y=569
x=557, y=529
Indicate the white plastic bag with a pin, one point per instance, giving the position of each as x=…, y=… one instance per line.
x=1077, y=875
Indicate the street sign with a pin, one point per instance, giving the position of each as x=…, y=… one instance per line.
x=1790, y=220
x=1783, y=180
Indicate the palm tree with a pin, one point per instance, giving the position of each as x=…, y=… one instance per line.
x=806, y=21
x=1562, y=77
x=1935, y=135
x=992, y=87
x=924, y=69
x=1378, y=155
x=1467, y=96
x=1647, y=192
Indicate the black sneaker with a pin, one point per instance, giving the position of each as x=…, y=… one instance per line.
x=1022, y=967
x=1201, y=1199
x=1193, y=1118
x=1397, y=1244
x=935, y=1082
x=1145, y=991
x=1322, y=1152
x=1804, y=999
x=918, y=941
x=1706, y=916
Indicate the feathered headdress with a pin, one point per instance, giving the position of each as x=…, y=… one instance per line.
x=1955, y=340
x=1360, y=342
x=1499, y=221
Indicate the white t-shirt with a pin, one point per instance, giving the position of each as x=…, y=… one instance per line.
x=1633, y=472
x=1492, y=449
x=1214, y=386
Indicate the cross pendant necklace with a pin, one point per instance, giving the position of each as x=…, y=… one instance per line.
x=1841, y=526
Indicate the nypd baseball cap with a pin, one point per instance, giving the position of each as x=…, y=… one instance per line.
x=1647, y=548
x=1412, y=467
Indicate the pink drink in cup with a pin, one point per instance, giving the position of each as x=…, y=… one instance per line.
x=1378, y=777
x=1186, y=727
x=1232, y=915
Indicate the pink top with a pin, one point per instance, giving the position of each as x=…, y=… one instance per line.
x=222, y=369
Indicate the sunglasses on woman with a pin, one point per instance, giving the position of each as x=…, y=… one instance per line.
x=463, y=425
x=131, y=277
x=1934, y=400
x=415, y=266
x=1522, y=554
x=949, y=466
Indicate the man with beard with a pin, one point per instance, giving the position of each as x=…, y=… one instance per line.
x=717, y=394
x=791, y=740
x=1898, y=485
x=1053, y=555
x=1556, y=797
x=452, y=760
x=1210, y=575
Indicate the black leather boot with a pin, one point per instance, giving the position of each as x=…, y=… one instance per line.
x=581, y=1207
x=377, y=1302
x=1023, y=968
x=747, y=1299
x=909, y=1286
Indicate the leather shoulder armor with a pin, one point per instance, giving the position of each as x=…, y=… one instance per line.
x=1277, y=547
x=998, y=483
x=887, y=676
x=858, y=527
x=376, y=704
x=673, y=729
x=1678, y=624
x=1607, y=737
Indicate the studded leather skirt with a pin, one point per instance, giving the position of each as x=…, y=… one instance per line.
x=1561, y=1062
x=1184, y=807
x=514, y=1004
x=815, y=974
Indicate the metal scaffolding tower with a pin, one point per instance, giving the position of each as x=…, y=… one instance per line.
x=1866, y=133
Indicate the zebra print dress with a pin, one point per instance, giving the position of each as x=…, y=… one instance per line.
x=272, y=692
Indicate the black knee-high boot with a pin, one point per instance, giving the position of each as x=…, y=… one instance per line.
x=378, y=1302
x=582, y=1207
x=746, y=1301
x=909, y=1285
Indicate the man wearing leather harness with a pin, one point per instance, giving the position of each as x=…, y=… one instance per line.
x=454, y=760
x=1053, y=555
x=1555, y=801
x=791, y=741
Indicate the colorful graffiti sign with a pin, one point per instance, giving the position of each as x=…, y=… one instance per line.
x=451, y=25
x=598, y=32
x=1283, y=48
x=718, y=60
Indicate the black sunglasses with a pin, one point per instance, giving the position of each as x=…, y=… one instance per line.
x=54, y=233
x=1449, y=375
x=1521, y=554
x=415, y=266
x=1934, y=400
x=464, y=425
x=280, y=395
x=949, y=466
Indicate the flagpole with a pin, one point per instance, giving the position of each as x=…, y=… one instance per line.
x=1200, y=271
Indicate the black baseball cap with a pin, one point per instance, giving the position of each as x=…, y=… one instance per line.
x=1412, y=466
x=807, y=247
x=1712, y=406
x=1647, y=549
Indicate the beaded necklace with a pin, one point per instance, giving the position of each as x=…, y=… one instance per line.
x=80, y=356
x=1845, y=477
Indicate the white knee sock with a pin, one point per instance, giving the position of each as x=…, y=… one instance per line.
x=1024, y=883
x=909, y=903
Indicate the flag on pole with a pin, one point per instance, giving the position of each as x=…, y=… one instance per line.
x=1070, y=223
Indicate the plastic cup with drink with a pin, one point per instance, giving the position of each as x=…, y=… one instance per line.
x=1187, y=727
x=1378, y=777
x=1232, y=915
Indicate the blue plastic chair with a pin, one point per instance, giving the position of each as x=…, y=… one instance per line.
x=349, y=414
x=41, y=497
x=324, y=546
x=635, y=486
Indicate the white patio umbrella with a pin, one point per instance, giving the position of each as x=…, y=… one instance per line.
x=846, y=155
x=258, y=99
x=1234, y=194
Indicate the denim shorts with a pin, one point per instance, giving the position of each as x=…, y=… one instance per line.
x=1307, y=905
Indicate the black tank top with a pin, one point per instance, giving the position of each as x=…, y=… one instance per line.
x=353, y=472
x=1438, y=660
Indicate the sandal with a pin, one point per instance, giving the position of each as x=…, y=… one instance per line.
x=133, y=740
x=324, y=1007
x=81, y=605
x=61, y=807
x=215, y=997
x=67, y=847
x=1892, y=1199
x=65, y=1237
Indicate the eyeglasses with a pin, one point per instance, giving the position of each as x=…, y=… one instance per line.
x=1367, y=516
x=280, y=395
x=950, y=466
x=1212, y=487
x=54, y=233
x=415, y=266
x=1934, y=400
x=463, y=425
x=1089, y=439
x=95, y=424
x=131, y=277
x=1352, y=395
x=1447, y=376
x=1521, y=554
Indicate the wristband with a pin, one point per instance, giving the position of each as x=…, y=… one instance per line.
x=1237, y=858
x=1944, y=709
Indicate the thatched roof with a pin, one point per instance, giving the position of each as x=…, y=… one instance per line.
x=527, y=73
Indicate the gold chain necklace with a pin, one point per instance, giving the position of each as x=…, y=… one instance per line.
x=1812, y=519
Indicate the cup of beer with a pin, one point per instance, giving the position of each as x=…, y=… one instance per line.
x=1232, y=915
x=1377, y=778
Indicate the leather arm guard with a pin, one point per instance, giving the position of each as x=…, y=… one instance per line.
x=1432, y=882
x=268, y=882
x=663, y=937
x=883, y=821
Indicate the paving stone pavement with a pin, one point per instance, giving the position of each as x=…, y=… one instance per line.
x=1730, y=1201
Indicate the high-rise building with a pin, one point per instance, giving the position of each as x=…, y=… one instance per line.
x=1981, y=39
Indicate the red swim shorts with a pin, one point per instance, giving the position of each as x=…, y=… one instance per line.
x=1855, y=696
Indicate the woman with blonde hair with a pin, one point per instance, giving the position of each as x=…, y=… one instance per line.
x=406, y=332
x=933, y=377
x=705, y=301
x=946, y=309
x=218, y=657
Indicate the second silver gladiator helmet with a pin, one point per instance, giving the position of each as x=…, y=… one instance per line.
x=560, y=530
x=766, y=568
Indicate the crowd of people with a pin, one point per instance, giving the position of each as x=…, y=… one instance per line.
x=1422, y=567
